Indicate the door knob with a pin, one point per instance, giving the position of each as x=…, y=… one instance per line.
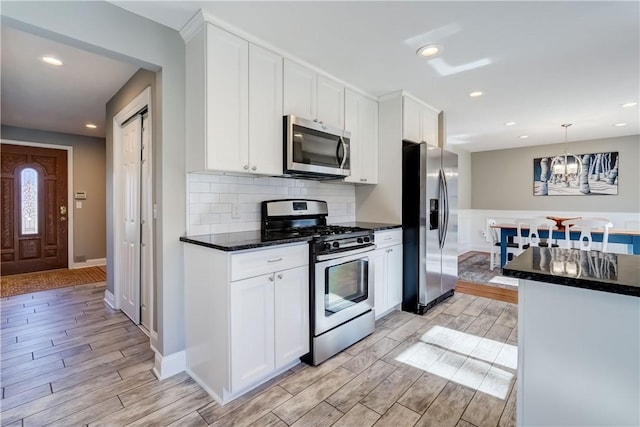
x=63, y=218
x=63, y=210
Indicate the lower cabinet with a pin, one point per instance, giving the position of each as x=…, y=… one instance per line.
x=247, y=315
x=387, y=261
x=269, y=324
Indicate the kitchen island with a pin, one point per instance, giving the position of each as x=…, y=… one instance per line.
x=578, y=337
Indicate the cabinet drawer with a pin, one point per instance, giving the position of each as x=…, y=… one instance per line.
x=387, y=238
x=263, y=261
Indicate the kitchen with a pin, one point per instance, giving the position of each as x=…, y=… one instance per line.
x=174, y=183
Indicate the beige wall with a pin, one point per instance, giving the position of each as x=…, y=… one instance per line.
x=89, y=175
x=503, y=179
x=109, y=30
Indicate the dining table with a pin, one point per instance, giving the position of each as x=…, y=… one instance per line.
x=616, y=235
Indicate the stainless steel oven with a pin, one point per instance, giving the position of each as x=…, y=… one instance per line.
x=315, y=150
x=342, y=289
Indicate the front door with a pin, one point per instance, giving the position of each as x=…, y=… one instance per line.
x=34, y=209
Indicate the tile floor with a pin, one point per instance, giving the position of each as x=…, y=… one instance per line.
x=69, y=360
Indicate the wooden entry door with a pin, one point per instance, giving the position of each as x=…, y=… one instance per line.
x=34, y=209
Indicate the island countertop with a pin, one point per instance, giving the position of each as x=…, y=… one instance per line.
x=599, y=271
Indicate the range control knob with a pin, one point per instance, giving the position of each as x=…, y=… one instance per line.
x=360, y=240
x=327, y=246
x=366, y=239
x=336, y=244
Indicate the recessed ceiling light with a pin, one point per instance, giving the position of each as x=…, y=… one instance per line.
x=429, y=50
x=523, y=136
x=620, y=124
x=91, y=126
x=510, y=123
x=629, y=104
x=475, y=94
x=51, y=60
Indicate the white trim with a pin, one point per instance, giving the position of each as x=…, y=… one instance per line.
x=168, y=366
x=69, y=150
x=109, y=299
x=192, y=27
x=96, y=262
x=154, y=341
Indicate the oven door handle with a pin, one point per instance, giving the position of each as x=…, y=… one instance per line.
x=336, y=255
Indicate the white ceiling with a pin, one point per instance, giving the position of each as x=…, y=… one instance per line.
x=539, y=64
x=58, y=99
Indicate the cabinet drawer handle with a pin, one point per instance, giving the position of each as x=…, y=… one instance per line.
x=388, y=238
x=274, y=260
x=280, y=276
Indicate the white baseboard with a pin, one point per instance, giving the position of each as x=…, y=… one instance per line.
x=110, y=299
x=96, y=262
x=168, y=366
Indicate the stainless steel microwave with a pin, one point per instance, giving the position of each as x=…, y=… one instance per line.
x=314, y=150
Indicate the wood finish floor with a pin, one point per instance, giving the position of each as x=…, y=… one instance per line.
x=67, y=359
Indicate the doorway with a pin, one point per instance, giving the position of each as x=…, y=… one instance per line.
x=133, y=210
x=35, y=214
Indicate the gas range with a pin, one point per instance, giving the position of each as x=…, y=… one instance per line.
x=282, y=219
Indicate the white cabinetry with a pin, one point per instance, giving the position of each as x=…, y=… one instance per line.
x=312, y=96
x=387, y=260
x=247, y=315
x=419, y=122
x=361, y=119
x=233, y=104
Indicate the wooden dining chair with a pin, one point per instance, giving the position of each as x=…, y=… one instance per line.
x=533, y=238
x=494, y=255
x=586, y=226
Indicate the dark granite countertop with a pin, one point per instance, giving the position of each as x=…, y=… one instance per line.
x=599, y=271
x=239, y=241
x=253, y=239
x=375, y=226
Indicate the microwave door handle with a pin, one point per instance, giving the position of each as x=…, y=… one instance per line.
x=344, y=152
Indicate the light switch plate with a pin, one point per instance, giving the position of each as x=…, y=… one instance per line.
x=78, y=205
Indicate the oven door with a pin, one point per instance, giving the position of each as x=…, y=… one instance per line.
x=342, y=290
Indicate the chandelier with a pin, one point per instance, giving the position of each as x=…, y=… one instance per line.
x=567, y=166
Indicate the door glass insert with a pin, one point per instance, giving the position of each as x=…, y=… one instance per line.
x=29, y=200
x=345, y=285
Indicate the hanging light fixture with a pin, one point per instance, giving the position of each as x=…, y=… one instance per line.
x=562, y=170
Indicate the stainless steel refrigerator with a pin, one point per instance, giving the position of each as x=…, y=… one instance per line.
x=430, y=225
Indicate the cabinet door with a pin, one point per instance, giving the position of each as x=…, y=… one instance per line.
x=265, y=111
x=300, y=88
x=369, y=141
x=429, y=126
x=252, y=334
x=330, y=110
x=411, y=120
x=394, y=275
x=378, y=260
x=291, y=315
x=227, y=96
x=361, y=119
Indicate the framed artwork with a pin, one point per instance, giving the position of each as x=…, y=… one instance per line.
x=576, y=175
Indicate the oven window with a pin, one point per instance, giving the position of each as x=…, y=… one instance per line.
x=345, y=285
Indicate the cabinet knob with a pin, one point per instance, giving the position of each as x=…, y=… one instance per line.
x=253, y=168
x=245, y=167
x=390, y=249
x=280, y=276
x=315, y=120
x=271, y=278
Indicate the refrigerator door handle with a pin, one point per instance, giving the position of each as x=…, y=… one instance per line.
x=443, y=208
x=446, y=208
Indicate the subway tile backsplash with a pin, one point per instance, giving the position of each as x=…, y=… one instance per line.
x=220, y=203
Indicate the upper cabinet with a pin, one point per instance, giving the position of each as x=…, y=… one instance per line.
x=233, y=104
x=419, y=122
x=361, y=119
x=313, y=96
